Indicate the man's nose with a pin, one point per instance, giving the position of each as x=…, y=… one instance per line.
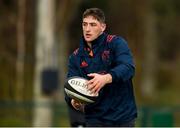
x=87, y=28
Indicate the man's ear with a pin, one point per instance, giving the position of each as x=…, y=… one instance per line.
x=103, y=27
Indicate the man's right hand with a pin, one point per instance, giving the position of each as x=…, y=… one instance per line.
x=77, y=105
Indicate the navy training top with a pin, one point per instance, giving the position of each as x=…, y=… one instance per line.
x=109, y=54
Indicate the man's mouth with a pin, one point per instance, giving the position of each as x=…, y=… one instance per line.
x=88, y=35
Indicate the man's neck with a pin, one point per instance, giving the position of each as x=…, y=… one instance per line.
x=89, y=44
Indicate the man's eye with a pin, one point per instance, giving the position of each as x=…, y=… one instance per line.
x=84, y=24
x=93, y=24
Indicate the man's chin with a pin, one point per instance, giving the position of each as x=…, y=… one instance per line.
x=88, y=40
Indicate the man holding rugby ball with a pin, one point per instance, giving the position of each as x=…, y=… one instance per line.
x=106, y=61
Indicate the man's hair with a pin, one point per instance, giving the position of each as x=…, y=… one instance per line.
x=96, y=13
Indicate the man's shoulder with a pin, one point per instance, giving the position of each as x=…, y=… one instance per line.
x=110, y=37
x=115, y=42
x=75, y=52
x=74, y=55
x=113, y=39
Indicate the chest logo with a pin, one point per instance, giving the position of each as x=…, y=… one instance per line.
x=105, y=55
x=84, y=64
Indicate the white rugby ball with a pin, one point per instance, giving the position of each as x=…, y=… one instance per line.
x=76, y=88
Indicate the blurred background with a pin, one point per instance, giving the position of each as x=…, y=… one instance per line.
x=37, y=36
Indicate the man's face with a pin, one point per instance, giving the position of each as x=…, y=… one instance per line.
x=92, y=28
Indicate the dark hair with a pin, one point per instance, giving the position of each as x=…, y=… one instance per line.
x=96, y=13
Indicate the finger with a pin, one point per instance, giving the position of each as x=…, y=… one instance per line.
x=72, y=101
x=91, y=81
x=96, y=88
x=77, y=106
x=92, y=85
x=75, y=103
x=91, y=74
x=97, y=91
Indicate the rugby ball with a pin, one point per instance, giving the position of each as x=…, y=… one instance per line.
x=76, y=88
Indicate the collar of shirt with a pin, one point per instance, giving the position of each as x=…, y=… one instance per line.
x=86, y=50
